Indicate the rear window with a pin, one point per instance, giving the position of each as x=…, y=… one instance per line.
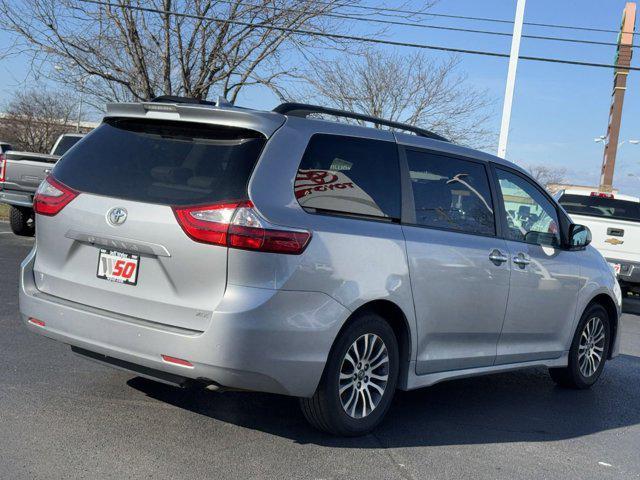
x=601, y=207
x=65, y=144
x=350, y=175
x=173, y=163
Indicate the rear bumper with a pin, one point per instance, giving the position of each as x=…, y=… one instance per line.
x=258, y=339
x=629, y=271
x=18, y=199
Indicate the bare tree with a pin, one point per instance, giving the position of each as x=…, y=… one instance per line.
x=546, y=175
x=412, y=89
x=135, y=49
x=34, y=119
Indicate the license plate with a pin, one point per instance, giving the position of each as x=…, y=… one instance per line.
x=118, y=267
x=616, y=267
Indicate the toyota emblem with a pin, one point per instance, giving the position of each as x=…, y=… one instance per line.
x=117, y=216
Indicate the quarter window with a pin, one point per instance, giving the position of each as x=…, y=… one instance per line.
x=451, y=193
x=530, y=216
x=350, y=175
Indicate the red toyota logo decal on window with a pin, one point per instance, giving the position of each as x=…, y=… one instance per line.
x=311, y=178
x=318, y=181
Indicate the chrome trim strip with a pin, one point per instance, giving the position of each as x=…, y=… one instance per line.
x=119, y=243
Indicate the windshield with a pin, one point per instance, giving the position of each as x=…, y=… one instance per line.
x=601, y=207
x=165, y=162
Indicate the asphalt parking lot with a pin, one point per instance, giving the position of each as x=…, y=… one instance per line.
x=65, y=417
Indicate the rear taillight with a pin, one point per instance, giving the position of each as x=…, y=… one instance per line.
x=238, y=225
x=52, y=196
x=3, y=167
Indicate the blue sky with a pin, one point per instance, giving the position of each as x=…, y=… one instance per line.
x=558, y=109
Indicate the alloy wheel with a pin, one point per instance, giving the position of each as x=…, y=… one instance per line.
x=591, y=348
x=363, y=375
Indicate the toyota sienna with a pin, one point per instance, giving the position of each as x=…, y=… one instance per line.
x=196, y=243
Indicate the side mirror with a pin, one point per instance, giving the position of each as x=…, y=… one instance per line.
x=579, y=237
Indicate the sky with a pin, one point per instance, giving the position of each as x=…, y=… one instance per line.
x=558, y=109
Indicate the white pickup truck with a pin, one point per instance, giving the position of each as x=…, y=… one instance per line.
x=614, y=221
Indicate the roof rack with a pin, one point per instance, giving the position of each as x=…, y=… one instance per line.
x=304, y=110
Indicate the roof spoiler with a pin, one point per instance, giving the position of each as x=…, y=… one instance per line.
x=194, y=110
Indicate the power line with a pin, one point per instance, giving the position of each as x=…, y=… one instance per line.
x=435, y=27
x=299, y=31
x=480, y=19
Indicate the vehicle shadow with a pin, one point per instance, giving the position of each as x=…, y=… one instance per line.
x=511, y=407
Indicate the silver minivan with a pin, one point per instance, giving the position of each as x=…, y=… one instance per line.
x=202, y=244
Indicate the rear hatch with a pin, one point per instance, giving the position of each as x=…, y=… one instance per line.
x=614, y=223
x=129, y=173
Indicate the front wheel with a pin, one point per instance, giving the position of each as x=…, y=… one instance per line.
x=589, y=351
x=359, y=379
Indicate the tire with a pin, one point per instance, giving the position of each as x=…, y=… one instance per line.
x=625, y=291
x=21, y=221
x=574, y=375
x=325, y=410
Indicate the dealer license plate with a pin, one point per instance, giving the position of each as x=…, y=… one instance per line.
x=118, y=267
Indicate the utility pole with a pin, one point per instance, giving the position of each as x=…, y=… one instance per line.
x=511, y=78
x=622, y=62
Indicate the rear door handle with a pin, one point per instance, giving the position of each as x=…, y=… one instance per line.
x=521, y=259
x=497, y=256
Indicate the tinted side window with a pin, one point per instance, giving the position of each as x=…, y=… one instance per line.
x=531, y=217
x=451, y=193
x=350, y=175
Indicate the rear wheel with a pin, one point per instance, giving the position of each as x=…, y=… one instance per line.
x=589, y=351
x=625, y=290
x=21, y=221
x=359, y=380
